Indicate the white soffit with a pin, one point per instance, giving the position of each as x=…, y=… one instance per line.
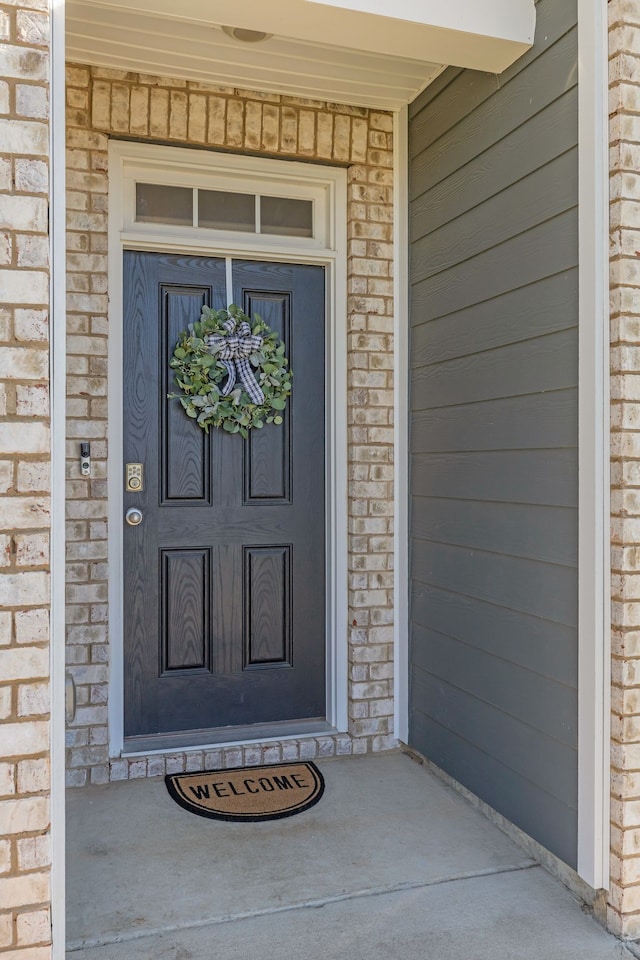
x=456, y=25
x=373, y=61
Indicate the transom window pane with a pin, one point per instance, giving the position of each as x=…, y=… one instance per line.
x=227, y=211
x=285, y=216
x=157, y=203
x=223, y=210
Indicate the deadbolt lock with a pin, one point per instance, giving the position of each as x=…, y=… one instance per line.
x=134, y=481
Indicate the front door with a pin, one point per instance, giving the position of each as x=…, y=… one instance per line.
x=224, y=578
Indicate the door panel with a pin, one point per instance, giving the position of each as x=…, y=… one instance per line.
x=184, y=625
x=224, y=579
x=266, y=591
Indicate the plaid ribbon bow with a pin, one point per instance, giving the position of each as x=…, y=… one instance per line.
x=234, y=351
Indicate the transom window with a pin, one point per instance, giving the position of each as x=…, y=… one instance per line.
x=224, y=210
x=174, y=197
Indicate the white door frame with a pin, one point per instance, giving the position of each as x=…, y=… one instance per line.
x=173, y=165
x=58, y=365
x=401, y=380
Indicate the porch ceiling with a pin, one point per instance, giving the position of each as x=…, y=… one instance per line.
x=320, y=50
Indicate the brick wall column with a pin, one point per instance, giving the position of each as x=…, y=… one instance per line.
x=25, y=929
x=624, y=100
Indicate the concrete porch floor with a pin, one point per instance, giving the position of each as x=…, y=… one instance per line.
x=390, y=864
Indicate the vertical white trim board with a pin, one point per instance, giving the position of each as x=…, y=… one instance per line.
x=123, y=234
x=58, y=352
x=401, y=426
x=594, y=655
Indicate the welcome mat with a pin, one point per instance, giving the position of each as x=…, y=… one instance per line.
x=248, y=793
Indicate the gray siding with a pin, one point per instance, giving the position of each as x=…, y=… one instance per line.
x=494, y=480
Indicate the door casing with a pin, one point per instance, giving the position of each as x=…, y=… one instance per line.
x=333, y=258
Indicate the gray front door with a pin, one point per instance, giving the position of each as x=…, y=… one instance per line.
x=224, y=579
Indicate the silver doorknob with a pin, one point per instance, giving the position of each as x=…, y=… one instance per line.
x=133, y=516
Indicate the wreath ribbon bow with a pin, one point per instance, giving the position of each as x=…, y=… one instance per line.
x=234, y=350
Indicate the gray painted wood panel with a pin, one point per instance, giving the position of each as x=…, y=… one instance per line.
x=515, y=263
x=545, y=193
x=539, y=645
x=508, y=423
x=497, y=321
x=550, y=75
x=544, y=817
x=539, y=364
x=537, y=142
x=559, y=19
x=529, y=586
x=500, y=683
x=494, y=400
x=501, y=476
x=516, y=529
x=517, y=745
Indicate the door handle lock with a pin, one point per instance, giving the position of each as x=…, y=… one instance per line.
x=133, y=516
x=134, y=482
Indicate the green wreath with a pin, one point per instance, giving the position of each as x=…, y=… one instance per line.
x=232, y=371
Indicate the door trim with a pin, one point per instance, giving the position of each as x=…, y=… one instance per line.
x=594, y=541
x=401, y=380
x=333, y=258
x=58, y=370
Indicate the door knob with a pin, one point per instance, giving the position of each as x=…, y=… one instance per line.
x=133, y=516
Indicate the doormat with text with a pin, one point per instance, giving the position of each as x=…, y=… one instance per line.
x=248, y=793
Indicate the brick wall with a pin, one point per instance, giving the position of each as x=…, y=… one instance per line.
x=25, y=929
x=624, y=74
x=103, y=103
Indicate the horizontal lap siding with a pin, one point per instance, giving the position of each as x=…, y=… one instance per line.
x=494, y=408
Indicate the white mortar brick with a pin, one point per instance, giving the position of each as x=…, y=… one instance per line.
x=23, y=891
x=23, y=63
x=32, y=400
x=24, y=815
x=28, y=737
x=6, y=705
x=27, y=437
x=24, y=589
x=23, y=663
x=24, y=512
x=33, y=852
x=31, y=325
x=32, y=101
x=33, y=699
x=28, y=953
x=7, y=779
x=31, y=550
x=33, y=775
x=23, y=136
x=33, y=927
x=21, y=363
